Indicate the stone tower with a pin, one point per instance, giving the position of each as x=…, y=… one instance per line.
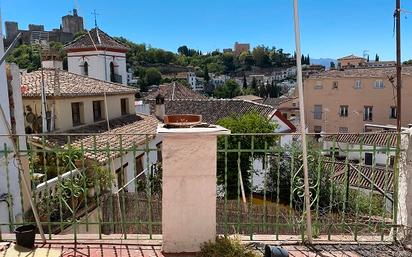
x=72, y=23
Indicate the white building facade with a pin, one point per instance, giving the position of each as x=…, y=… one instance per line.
x=99, y=56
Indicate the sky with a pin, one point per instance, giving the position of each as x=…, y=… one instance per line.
x=329, y=28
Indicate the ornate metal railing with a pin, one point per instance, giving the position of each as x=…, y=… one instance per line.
x=111, y=184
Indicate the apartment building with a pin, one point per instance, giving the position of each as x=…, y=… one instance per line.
x=347, y=100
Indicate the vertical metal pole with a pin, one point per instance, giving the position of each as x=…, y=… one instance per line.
x=302, y=122
x=399, y=112
x=43, y=102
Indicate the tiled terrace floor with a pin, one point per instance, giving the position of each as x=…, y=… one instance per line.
x=131, y=250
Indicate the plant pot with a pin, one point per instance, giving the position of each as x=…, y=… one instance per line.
x=25, y=236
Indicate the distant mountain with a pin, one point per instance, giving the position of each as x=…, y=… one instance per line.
x=324, y=61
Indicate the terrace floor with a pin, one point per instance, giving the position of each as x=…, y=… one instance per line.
x=119, y=249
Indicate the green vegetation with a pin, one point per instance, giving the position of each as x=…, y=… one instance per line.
x=226, y=247
x=28, y=56
x=228, y=90
x=247, y=123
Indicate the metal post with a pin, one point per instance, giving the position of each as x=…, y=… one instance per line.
x=302, y=122
x=43, y=103
x=399, y=111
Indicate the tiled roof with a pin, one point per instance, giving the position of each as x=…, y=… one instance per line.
x=350, y=57
x=378, y=139
x=95, y=38
x=64, y=83
x=275, y=102
x=213, y=110
x=174, y=91
x=250, y=98
x=380, y=176
x=381, y=72
x=127, y=131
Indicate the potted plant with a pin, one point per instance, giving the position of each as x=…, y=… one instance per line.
x=25, y=236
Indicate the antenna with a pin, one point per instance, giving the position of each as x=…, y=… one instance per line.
x=95, y=17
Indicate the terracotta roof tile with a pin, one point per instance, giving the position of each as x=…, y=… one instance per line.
x=127, y=131
x=378, y=139
x=95, y=38
x=381, y=72
x=250, y=98
x=64, y=83
x=174, y=91
x=380, y=176
x=213, y=110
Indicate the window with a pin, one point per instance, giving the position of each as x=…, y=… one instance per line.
x=112, y=73
x=379, y=84
x=393, y=113
x=159, y=152
x=358, y=84
x=124, y=106
x=318, y=85
x=344, y=110
x=318, y=112
x=334, y=85
x=368, y=158
x=121, y=176
x=139, y=164
x=367, y=113
x=77, y=111
x=86, y=69
x=97, y=110
x=343, y=130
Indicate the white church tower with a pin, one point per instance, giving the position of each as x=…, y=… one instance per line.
x=98, y=55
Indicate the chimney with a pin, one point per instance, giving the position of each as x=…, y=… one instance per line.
x=160, y=107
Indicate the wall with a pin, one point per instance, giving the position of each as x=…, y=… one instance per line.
x=99, y=64
x=356, y=99
x=63, y=111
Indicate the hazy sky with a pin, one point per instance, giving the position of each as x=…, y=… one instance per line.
x=329, y=28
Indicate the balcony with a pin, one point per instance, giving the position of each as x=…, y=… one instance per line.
x=102, y=192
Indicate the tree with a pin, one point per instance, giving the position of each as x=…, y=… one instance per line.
x=79, y=34
x=228, y=60
x=261, y=56
x=26, y=57
x=228, y=90
x=408, y=62
x=206, y=74
x=183, y=50
x=332, y=65
x=254, y=84
x=248, y=123
x=244, y=81
x=376, y=58
x=283, y=168
x=308, y=60
x=152, y=77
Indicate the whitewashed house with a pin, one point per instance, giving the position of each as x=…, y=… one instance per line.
x=97, y=55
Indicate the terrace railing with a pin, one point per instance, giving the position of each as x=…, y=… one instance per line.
x=260, y=183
